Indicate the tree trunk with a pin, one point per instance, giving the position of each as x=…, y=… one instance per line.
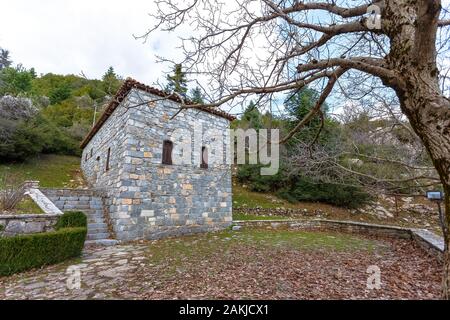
x=446, y=275
x=412, y=28
x=429, y=115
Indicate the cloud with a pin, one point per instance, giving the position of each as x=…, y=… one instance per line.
x=69, y=36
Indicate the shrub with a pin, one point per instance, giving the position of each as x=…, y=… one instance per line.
x=251, y=175
x=27, y=138
x=71, y=219
x=340, y=195
x=25, y=252
x=297, y=188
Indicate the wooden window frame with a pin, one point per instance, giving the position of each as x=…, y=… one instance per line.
x=167, y=150
x=204, y=158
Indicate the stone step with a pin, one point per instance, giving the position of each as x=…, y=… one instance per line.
x=92, y=211
x=75, y=207
x=97, y=236
x=95, y=221
x=95, y=217
x=102, y=242
x=97, y=230
x=97, y=225
x=77, y=203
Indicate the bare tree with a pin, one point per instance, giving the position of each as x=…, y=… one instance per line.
x=11, y=193
x=267, y=47
x=343, y=163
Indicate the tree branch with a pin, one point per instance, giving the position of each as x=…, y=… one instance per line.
x=324, y=95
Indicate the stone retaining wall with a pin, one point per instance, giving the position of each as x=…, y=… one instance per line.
x=427, y=240
x=277, y=211
x=12, y=225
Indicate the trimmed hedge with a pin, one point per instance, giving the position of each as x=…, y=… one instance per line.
x=25, y=252
x=71, y=219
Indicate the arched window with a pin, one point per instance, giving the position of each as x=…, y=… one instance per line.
x=167, y=152
x=204, y=163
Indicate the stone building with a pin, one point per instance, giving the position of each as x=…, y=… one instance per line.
x=129, y=156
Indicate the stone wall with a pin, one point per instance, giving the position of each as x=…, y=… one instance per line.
x=12, y=225
x=147, y=199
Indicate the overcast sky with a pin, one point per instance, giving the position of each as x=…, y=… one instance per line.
x=69, y=36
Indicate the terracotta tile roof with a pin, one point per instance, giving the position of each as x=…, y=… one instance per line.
x=126, y=87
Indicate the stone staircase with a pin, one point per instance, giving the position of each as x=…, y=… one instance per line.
x=89, y=203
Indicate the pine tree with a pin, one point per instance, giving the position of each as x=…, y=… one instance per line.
x=5, y=60
x=177, y=82
x=111, y=81
x=197, y=96
x=298, y=104
x=252, y=116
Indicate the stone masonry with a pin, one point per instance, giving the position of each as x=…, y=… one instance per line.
x=89, y=202
x=18, y=224
x=145, y=198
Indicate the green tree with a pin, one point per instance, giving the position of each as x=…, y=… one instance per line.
x=252, y=118
x=197, y=96
x=5, y=60
x=67, y=113
x=298, y=104
x=16, y=80
x=60, y=93
x=111, y=81
x=177, y=82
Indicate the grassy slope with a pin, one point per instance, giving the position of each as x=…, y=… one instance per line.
x=243, y=198
x=53, y=171
x=27, y=205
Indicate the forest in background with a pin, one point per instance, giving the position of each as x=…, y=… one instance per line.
x=47, y=113
x=333, y=160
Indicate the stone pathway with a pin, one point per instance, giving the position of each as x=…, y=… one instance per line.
x=101, y=271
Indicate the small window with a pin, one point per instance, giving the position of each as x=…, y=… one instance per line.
x=86, y=157
x=107, y=159
x=204, y=163
x=92, y=152
x=167, y=152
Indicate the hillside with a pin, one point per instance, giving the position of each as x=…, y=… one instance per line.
x=53, y=171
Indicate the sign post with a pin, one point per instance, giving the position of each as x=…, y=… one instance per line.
x=438, y=197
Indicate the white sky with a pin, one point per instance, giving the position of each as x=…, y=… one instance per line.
x=67, y=37
x=70, y=36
